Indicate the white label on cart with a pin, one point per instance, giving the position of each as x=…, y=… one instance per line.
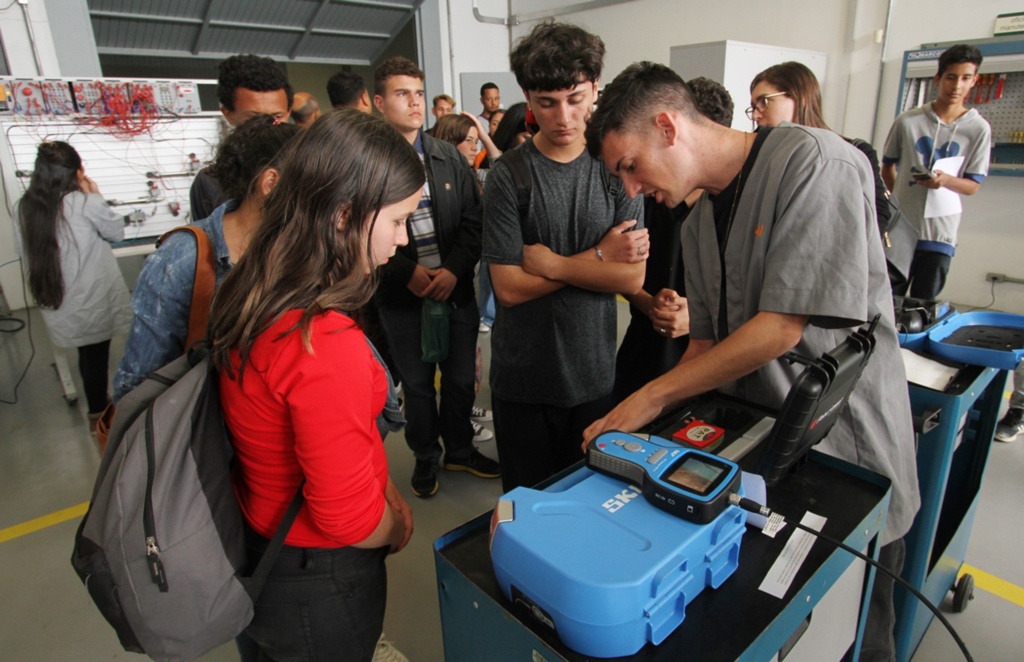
x=773, y=525
x=782, y=572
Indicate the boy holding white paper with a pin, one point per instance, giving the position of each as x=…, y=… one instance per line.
x=934, y=154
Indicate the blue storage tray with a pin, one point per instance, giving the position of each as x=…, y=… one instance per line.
x=609, y=572
x=918, y=342
x=993, y=340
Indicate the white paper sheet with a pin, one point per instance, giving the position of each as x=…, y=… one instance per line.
x=926, y=372
x=784, y=570
x=943, y=201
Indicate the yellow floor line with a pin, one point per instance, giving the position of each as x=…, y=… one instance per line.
x=992, y=584
x=33, y=525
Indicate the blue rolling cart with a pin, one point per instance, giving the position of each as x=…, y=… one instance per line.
x=955, y=431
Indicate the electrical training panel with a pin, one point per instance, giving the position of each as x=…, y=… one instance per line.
x=142, y=142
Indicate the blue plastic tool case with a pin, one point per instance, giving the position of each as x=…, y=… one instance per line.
x=993, y=340
x=609, y=572
x=989, y=339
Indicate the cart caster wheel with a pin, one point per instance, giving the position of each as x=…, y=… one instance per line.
x=963, y=593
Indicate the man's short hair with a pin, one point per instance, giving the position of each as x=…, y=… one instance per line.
x=712, y=99
x=959, y=54
x=487, y=86
x=394, y=66
x=259, y=74
x=556, y=56
x=640, y=92
x=344, y=88
x=443, y=97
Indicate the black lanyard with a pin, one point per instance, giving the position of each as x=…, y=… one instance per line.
x=724, y=209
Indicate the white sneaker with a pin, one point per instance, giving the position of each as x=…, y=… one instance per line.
x=484, y=327
x=386, y=652
x=480, y=433
x=480, y=415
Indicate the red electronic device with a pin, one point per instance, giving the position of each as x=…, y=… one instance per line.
x=699, y=434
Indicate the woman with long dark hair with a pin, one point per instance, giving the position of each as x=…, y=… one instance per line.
x=301, y=387
x=66, y=229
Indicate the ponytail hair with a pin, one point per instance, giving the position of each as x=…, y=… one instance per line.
x=41, y=218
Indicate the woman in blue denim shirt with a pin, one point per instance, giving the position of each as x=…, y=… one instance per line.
x=246, y=169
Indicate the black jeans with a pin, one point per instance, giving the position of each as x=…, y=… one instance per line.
x=318, y=604
x=879, y=644
x=92, y=364
x=427, y=419
x=928, y=273
x=537, y=441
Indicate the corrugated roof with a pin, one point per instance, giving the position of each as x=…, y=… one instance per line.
x=342, y=31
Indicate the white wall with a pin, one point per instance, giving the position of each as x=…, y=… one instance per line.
x=472, y=46
x=647, y=29
x=990, y=238
x=22, y=63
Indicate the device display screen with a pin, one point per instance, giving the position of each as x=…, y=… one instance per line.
x=695, y=475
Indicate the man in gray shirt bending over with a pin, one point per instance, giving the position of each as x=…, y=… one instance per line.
x=781, y=253
x=561, y=238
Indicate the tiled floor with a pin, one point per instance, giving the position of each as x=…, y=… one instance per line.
x=48, y=462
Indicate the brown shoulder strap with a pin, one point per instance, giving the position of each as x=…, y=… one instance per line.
x=203, y=285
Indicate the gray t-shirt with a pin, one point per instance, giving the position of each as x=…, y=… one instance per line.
x=559, y=349
x=912, y=144
x=805, y=242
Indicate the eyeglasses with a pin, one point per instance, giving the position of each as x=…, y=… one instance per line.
x=761, y=104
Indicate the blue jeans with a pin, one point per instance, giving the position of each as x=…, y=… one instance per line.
x=485, y=298
x=427, y=420
x=318, y=604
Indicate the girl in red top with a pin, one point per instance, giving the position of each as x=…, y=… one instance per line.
x=301, y=389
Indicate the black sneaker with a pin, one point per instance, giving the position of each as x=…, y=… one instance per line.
x=477, y=464
x=424, y=478
x=1011, y=425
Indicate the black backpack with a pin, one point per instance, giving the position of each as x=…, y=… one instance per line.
x=162, y=548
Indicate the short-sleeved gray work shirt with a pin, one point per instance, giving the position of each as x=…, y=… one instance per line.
x=804, y=241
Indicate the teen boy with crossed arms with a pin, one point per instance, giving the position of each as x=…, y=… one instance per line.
x=556, y=270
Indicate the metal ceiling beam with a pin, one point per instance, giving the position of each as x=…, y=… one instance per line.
x=133, y=52
x=377, y=5
x=260, y=27
x=309, y=28
x=155, y=18
x=205, y=27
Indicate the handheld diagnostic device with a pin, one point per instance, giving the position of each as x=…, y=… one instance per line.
x=685, y=482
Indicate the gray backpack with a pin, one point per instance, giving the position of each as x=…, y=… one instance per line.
x=162, y=548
